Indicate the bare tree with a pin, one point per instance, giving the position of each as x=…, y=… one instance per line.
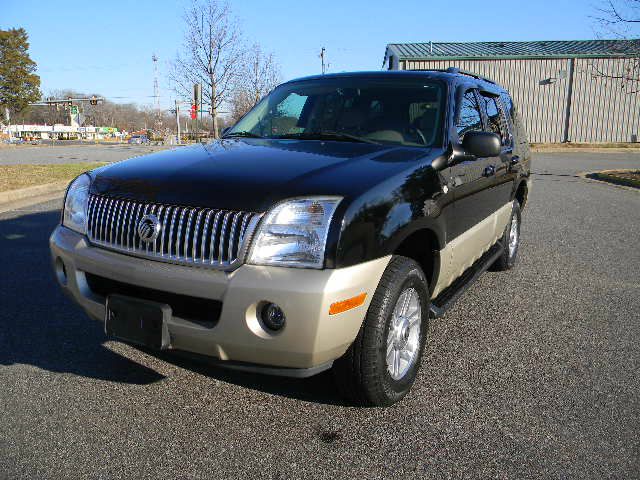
x=621, y=19
x=260, y=74
x=211, y=54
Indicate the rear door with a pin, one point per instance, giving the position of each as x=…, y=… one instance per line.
x=498, y=168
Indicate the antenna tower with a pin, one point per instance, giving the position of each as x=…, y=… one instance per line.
x=156, y=93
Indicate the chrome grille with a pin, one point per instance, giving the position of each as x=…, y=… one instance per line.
x=188, y=235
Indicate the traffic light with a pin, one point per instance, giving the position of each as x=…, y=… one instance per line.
x=93, y=101
x=194, y=112
x=197, y=93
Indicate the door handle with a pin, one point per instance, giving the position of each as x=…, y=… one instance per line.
x=489, y=171
x=515, y=160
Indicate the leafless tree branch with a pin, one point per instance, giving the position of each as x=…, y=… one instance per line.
x=259, y=75
x=211, y=55
x=621, y=19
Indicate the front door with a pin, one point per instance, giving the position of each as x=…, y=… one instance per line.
x=473, y=227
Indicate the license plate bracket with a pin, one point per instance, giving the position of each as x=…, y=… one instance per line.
x=138, y=321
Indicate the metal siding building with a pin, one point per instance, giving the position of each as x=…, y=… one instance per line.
x=555, y=84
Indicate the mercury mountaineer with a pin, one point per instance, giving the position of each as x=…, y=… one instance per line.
x=323, y=230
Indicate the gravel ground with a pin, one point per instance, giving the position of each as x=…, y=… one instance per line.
x=533, y=374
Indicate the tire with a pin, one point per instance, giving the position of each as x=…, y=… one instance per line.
x=363, y=374
x=509, y=256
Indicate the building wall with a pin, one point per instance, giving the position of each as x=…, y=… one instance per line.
x=600, y=110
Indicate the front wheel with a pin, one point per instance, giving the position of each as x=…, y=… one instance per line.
x=381, y=365
x=510, y=241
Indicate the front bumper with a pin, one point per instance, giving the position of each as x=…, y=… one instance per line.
x=311, y=338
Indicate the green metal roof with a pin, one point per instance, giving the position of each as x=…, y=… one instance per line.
x=490, y=50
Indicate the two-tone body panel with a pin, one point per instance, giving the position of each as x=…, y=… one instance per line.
x=393, y=201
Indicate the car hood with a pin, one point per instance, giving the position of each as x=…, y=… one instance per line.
x=253, y=174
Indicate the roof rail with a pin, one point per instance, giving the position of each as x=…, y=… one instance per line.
x=454, y=70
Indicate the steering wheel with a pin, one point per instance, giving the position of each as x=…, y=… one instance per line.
x=416, y=131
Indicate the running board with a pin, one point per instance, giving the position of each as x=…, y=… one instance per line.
x=449, y=295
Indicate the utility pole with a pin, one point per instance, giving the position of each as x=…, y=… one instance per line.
x=7, y=117
x=197, y=101
x=212, y=78
x=156, y=93
x=322, y=59
x=178, y=120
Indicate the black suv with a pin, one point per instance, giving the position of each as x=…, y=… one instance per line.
x=322, y=231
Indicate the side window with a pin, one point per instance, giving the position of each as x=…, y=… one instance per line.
x=506, y=119
x=497, y=122
x=508, y=105
x=469, y=118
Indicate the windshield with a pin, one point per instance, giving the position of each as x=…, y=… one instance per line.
x=385, y=111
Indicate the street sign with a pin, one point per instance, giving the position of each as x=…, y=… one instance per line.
x=194, y=112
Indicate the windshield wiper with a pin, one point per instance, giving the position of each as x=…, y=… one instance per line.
x=244, y=133
x=328, y=135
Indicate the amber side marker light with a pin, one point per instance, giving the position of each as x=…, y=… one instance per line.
x=347, y=304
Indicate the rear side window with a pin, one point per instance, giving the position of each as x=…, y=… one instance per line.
x=497, y=122
x=508, y=104
x=521, y=144
x=469, y=118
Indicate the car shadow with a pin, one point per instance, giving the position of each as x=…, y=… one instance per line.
x=40, y=326
x=317, y=389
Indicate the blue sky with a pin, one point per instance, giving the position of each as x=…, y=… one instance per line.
x=106, y=47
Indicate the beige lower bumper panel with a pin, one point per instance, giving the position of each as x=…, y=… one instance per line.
x=255, y=368
x=311, y=338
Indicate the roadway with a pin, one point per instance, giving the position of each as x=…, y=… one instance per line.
x=533, y=374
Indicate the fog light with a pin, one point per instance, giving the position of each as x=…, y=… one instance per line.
x=272, y=316
x=61, y=271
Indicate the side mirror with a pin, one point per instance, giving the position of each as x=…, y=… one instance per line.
x=474, y=145
x=455, y=154
x=482, y=144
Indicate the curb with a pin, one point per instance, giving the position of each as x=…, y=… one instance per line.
x=587, y=176
x=585, y=150
x=36, y=191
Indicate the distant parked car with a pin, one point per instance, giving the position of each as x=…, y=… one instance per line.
x=139, y=139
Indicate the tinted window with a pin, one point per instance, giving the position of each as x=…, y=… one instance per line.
x=521, y=144
x=496, y=122
x=469, y=118
x=407, y=112
x=507, y=104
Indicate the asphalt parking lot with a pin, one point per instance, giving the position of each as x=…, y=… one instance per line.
x=535, y=373
x=70, y=153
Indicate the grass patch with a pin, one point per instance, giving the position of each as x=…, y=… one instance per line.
x=13, y=177
x=628, y=178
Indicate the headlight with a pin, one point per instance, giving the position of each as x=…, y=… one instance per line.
x=294, y=233
x=75, y=204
